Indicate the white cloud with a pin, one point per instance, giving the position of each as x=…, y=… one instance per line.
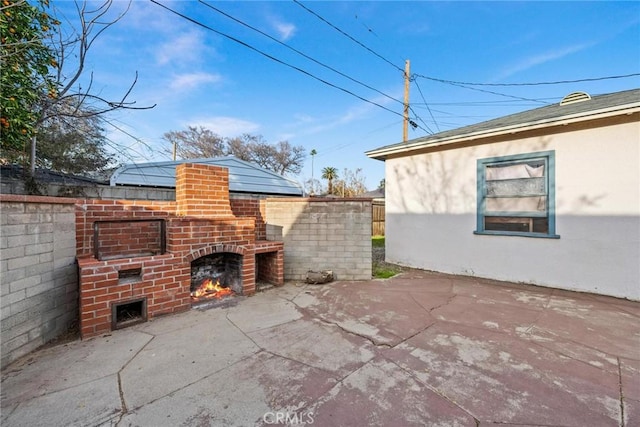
x=185, y=48
x=307, y=125
x=285, y=30
x=148, y=16
x=541, y=58
x=225, y=126
x=192, y=80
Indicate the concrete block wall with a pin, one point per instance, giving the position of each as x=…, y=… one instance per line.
x=38, y=273
x=323, y=234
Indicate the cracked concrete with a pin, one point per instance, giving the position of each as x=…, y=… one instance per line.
x=418, y=349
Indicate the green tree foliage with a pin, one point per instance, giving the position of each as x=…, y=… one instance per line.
x=73, y=143
x=25, y=61
x=329, y=173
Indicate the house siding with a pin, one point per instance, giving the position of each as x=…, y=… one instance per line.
x=431, y=213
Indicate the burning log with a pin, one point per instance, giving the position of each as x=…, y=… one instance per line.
x=209, y=289
x=319, y=277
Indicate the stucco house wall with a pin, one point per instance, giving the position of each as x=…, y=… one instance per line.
x=431, y=202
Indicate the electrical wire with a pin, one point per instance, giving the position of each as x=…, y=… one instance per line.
x=413, y=123
x=200, y=24
x=594, y=79
x=348, y=36
x=427, y=105
x=417, y=117
x=499, y=94
x=498, y=103
x=298, y=51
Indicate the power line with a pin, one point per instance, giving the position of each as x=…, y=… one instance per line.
x=428, y=130
x=298, y=51
x=427, y=105
x=497, y=93
x=594, y=79
x=200, y=24
x=499, y=103
x=348, y=36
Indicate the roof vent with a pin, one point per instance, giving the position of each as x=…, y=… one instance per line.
x=575, y=97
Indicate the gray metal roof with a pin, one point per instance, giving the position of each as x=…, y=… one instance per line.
x=612, y=103
x=244, y=177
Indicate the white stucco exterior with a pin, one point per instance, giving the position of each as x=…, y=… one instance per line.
x=431, y=211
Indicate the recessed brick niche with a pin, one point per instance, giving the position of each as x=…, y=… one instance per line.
x=135, y=257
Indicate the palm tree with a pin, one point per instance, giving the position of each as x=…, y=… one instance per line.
x=330, y=173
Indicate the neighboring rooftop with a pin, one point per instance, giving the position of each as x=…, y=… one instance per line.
x=378, y=193
x=580, y=107
x=17, y=172
x=244, y=177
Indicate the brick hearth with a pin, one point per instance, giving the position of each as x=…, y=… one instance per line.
x=130, y=251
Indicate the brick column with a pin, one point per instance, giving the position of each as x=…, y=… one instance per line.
x=202, y=191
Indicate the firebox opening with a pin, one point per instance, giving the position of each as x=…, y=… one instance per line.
x=266, y=270
x=128, y=313
x=216, y=276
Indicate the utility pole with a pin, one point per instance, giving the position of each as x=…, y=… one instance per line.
x=405, y=124
x=175, y=148
x=313, y=154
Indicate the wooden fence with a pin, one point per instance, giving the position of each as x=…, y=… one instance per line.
x=377, y=218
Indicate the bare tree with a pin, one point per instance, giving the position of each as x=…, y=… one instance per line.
x=288, y=159
x=240, y=146
x=282, y=158
x=71, y=50
x=352, y=183
x=195, y=142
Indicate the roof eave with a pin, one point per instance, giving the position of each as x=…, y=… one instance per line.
x=408, y=147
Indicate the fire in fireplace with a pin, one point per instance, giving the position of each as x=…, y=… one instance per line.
x=209, y=289
x=216, y=276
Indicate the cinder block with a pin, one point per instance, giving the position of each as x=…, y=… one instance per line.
x=12, y=230
x=24, y=283
x=46, y=257
x=44, y=238
x=14, y=343
x=38, y=289
x=23, y=218
x=37, y=269
x=38, y=249
x=38, y=208
x=15, y=252
x=24, y=261
x=21, y=240
x=12, y=208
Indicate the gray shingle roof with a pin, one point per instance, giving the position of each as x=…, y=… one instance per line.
x=544, y=115
x=244, y=177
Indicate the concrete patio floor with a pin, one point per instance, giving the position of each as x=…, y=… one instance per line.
x=420, y=349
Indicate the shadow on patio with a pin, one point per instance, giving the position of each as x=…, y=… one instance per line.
x=419, y=349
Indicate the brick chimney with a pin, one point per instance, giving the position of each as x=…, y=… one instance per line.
x=202, y=191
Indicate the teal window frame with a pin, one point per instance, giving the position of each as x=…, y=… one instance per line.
x=548, y=157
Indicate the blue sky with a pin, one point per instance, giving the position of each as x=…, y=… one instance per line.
x=197, y=77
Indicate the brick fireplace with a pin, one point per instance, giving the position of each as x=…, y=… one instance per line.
x=139, y=259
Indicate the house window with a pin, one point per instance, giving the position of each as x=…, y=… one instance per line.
x=516, y=195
